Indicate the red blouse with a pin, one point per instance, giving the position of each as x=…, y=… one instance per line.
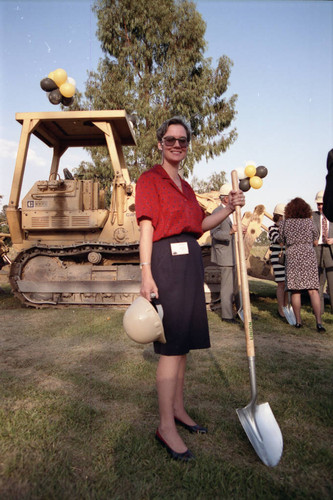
x=171, y=211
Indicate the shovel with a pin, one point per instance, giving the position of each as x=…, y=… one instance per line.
x=240, y=310
x=258, y=421
x=289, y=312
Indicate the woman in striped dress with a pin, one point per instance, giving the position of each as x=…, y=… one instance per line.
x=275, y=248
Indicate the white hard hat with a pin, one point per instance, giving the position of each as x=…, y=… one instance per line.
x=143, y=323
x=319, y=197
x=225, y=189
x=279, y=209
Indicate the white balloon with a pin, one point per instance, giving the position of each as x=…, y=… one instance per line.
x=250, y=163
x=241, y=173
x=71, y=81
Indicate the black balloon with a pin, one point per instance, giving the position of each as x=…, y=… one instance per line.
x=55, y=97
x=244, y=184
x=261, y=172
x=67, y=101
x=48, y=85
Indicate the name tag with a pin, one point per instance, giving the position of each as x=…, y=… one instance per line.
x=179, y=248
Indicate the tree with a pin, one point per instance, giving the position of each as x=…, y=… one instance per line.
x=214, y=182
x=3, y=219
x=262, y=239
x=154, y=68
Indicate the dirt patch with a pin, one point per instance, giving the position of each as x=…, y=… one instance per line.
x=41, y=344
x=36, y=356
x=321, y=348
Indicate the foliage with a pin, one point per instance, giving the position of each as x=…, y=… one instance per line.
x=3, y=219
x=214, y=182
x=154, y=67
x=262, y=239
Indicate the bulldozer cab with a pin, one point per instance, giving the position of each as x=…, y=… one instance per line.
x=71, y=248
x=55, y=207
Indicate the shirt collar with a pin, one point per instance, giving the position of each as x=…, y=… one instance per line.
x=160, y=170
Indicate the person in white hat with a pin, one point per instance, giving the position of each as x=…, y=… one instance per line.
x=324, y=250
x=223, y=254
x=276, y=247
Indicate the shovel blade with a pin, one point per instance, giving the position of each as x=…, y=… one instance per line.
x=240, y=313
x=263, y=432
x=289, y=315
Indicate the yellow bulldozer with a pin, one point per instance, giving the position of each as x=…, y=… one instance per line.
x=70, y=249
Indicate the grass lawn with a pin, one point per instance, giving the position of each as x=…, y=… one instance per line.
x=78, y=408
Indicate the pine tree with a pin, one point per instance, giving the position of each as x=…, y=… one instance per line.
x=154, y=68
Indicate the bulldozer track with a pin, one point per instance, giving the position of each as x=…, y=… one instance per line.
x=48, y=291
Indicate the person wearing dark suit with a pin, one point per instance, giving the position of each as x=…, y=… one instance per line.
x=324, y=250
x=223, y=254
x=328, y=194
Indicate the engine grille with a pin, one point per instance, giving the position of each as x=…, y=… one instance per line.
x=59, y=222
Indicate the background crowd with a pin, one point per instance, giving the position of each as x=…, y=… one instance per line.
x=301, y=254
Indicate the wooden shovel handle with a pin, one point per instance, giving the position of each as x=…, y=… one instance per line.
x=243, y=275
x=237, y=254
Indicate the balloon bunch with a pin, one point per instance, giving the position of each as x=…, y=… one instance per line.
x=251, y=176
x=60, y=87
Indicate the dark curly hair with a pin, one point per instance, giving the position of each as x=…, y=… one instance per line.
x=297, y=209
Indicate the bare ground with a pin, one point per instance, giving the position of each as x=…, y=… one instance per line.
x=27, y=348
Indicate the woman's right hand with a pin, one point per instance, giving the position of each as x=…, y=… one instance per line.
x=148, y=287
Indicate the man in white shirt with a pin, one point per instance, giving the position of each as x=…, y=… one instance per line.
x=324, y=250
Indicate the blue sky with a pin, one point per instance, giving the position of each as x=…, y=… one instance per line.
x=283, y=74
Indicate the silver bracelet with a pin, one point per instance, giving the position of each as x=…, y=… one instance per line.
x=144, y=264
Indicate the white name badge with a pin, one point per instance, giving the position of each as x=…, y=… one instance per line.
x=179, y=248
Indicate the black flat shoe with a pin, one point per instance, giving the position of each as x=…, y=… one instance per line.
x=320, y=328
x=230, y=320
x=298, y=325
x=184, y=457
x=192, y=428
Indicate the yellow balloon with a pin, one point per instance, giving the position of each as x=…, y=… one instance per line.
x=250, y=170
x=67, y=89
x=256, y=182
x=51, y=75
x=60, y=76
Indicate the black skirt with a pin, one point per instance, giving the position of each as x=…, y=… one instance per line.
x=180, y=282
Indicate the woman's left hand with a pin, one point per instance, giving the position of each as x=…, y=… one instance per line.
x=236, y=198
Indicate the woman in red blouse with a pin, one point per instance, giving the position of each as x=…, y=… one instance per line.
x=171, y=220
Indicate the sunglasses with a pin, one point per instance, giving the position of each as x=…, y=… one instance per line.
x=171, y=141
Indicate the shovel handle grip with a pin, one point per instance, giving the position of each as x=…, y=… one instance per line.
x=243, y=274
